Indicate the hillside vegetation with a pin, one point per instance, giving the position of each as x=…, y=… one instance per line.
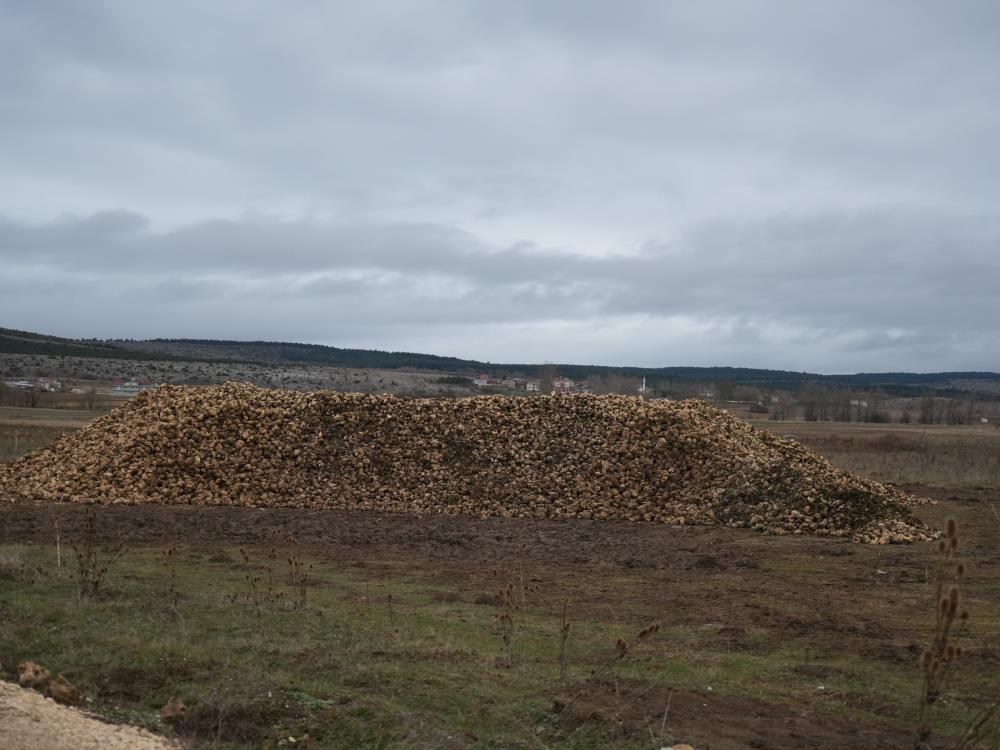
x=290, y=353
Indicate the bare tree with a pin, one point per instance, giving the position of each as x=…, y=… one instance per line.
x=546, y=374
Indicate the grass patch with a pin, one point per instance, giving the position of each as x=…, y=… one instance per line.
x=387, y=655
x=343, y=672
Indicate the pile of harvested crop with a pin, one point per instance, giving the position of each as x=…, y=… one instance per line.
x=601, y=457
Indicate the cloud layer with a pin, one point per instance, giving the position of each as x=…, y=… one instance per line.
x=796, y=185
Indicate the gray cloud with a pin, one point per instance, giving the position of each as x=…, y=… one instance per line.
x=874, y=287
x=781, y=184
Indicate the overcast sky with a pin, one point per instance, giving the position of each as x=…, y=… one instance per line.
x=801, y=185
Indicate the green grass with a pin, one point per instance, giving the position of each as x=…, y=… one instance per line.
x=346, y=672
x=384, y=658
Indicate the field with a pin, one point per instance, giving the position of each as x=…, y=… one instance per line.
x=23, y=430
x=391, y=631
x=956, y=457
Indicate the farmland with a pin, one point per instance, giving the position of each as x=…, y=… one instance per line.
x=957, y=457
x=444, y=631
x=24, y=430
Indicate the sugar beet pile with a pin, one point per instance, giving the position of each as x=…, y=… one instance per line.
x=600, y=457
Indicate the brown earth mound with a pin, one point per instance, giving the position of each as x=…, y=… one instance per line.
x=604, y=457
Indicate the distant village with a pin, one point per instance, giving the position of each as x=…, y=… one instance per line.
x=808, y=402
x=118, y=387
x=558, y=384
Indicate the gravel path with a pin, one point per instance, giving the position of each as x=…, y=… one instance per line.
x=30, y=721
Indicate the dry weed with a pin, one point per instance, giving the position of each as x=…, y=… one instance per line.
x=93, y=560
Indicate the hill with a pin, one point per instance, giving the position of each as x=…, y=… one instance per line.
x=282, y=352
x=289, y=353
x=13, y=341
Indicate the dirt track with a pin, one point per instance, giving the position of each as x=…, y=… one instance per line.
x=29, y=721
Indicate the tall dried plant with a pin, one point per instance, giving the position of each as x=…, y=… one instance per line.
x=93, y=560
x=507, y=621
x=299, y=575
x=623, y=648
x=259, y=594
x=563, y=639
x=938, y=660
x=984, y=727
x=170, y=573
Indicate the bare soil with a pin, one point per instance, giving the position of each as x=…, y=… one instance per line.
x=721, y=722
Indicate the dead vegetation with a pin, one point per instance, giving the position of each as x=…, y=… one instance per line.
x=623, y=648
x=593, y=457
x=507, y=623
x=563, y=641
x=93, y=558
x=940, y=659
x=259, y=594
x=299, y=575
x=170, y=575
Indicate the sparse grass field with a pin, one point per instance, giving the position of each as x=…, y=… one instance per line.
x=22, y=430
x=956, y=457
x=766, y=642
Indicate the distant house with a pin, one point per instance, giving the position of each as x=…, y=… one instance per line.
x=125, y=388
x=562, y=385
x=132, y=387
x=482, y=381
x=49, y=384
x=532, y=386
